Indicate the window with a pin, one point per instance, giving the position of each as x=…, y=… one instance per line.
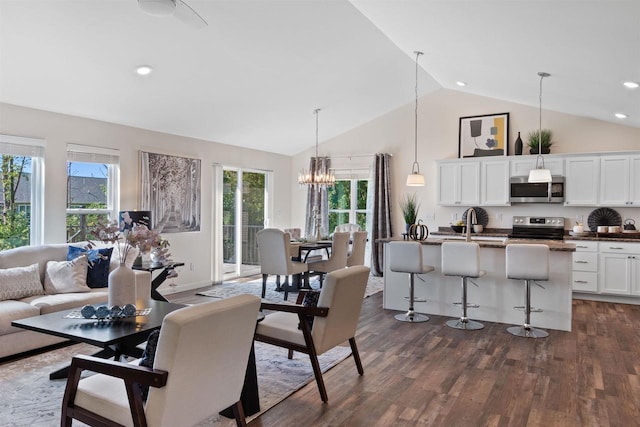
x=21, y=196
x=348, y=203
x=93, y=176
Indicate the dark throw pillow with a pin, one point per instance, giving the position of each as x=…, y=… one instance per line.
x=148, y=356
x=99, y=261
x=310, y=300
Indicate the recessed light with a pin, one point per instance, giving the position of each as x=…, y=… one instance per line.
x=144, y=70
x=621, y=116
x=461, y=84
x=631, y=85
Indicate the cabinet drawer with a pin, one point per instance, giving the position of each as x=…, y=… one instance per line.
x=584, y=245
x=620, y=247
x=584, y=281
x=585, y=261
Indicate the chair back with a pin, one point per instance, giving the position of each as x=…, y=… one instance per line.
x=339, y=250
x=274, y=251
x=358, y=245
x=205, y=348
x=294, y=233
x=527, y=261
x=405, y=257
x=349, y=228
x=343, y=292
x=461, y=259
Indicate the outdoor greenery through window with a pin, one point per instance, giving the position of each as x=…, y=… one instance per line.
x=21, y=194
x=92, y=188
x=348, y=203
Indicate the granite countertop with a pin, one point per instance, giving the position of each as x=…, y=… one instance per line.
x=504, y=233
x=554, y=245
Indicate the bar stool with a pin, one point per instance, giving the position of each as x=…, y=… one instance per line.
x=406, y=257
x=528, y=262
x=462, y=259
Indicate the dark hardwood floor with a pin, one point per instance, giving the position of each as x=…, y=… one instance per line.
x=429, y=374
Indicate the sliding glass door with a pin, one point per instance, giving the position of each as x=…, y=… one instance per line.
x=244, y=213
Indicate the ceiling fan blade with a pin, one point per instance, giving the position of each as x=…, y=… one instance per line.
x=186, y=14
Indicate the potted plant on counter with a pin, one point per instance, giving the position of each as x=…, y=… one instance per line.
x=536, y=141
x=409, y=206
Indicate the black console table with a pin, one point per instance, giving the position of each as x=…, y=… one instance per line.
x=166, y=268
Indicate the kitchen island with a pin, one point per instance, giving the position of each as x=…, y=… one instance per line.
x=496, y=295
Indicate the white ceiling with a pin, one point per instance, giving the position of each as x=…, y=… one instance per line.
x=254, y=76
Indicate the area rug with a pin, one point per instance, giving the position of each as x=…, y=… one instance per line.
x=254, y=287
x=29, y=398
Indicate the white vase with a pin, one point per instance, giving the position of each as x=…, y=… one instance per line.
x=122, y=286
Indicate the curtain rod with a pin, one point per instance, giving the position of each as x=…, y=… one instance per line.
x=348, y=156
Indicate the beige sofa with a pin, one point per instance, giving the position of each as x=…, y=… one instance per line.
x=16, y=340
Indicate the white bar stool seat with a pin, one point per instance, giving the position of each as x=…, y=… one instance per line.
x=528, y=262
x=462, y=259
x=406, y=257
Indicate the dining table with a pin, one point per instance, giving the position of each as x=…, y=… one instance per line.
x=300, y=251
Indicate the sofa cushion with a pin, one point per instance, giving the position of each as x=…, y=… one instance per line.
x=11, y=310
x=27, y=255
x=20, y=282
x=52, y=303
x=63, y=277
x=99, y=263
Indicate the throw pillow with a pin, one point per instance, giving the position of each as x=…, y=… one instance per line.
x=62, y=277
x=99, y=262
x=310, y=300
x=20, y=282
x=148, y=356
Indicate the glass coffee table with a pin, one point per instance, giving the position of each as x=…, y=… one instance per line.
x=116, y=337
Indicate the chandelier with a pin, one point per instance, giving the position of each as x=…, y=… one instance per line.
x=315, y=177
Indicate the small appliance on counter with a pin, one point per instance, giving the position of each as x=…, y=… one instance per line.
x=629, y=226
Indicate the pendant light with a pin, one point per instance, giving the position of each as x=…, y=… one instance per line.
x=415, y=178
x=540, y=174
x=314, y=177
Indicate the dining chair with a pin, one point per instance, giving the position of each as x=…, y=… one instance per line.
x=198, y=370
x=274, y=251
x=351, y=228
x=335, y=320
x=358, y=245
x=337, y=259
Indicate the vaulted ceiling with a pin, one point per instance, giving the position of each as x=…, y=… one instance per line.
x=255, y=74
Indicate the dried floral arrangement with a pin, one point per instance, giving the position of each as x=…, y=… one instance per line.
x=139, y=237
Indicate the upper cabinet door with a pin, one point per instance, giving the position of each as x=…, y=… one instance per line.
x=494, y=183
x=614, y=181
x=521, y=166
x=459, y=183
x=581, y=183
x=620, y=181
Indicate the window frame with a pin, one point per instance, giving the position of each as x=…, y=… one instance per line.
x=353, y=211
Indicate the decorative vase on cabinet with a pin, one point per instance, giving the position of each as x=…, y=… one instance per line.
x=122, y=286
x=518, y=145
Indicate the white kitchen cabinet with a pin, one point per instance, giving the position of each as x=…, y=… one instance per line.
x=494, y=183
x=619, y=267
x=585, y=266
x=581, y=181
x=620, y=181
x=459, y=183
x=521, y=166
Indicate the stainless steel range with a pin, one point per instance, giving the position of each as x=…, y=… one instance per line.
x=537, y=227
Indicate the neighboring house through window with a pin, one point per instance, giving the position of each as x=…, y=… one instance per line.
x=93, y=178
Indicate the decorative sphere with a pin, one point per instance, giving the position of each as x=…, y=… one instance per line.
x=129, y=310
x=102, y=312
x=88, y=311
x=115, y=311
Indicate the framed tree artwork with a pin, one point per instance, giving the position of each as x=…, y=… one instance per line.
x=486, y=135
x=171, y=191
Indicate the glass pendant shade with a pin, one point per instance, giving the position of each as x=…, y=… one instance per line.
x=539, y=175
x=415, y=180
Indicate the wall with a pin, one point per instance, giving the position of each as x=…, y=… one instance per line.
x=439, y=114
x=194, y=247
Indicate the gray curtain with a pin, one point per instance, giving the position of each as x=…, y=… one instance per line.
x=381, y=223
x=317, y=196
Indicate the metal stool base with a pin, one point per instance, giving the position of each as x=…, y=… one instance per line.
x=469, y=325
x=521, y=331
x=411, y=317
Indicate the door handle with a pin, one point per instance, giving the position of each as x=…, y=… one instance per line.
x=581, y=262
x=580, y=281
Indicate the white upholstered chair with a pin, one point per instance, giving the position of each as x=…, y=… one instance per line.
x=338, y=258
x=199, y=370
x=406, y=257
x=274, y=250
x=349, y=228
x=358, y=245
x=335, y=321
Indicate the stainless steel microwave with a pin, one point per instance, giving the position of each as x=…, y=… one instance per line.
x=523, y=191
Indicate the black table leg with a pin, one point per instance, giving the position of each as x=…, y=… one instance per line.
x=249, y=396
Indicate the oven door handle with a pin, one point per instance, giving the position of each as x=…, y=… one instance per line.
x=549, y=191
